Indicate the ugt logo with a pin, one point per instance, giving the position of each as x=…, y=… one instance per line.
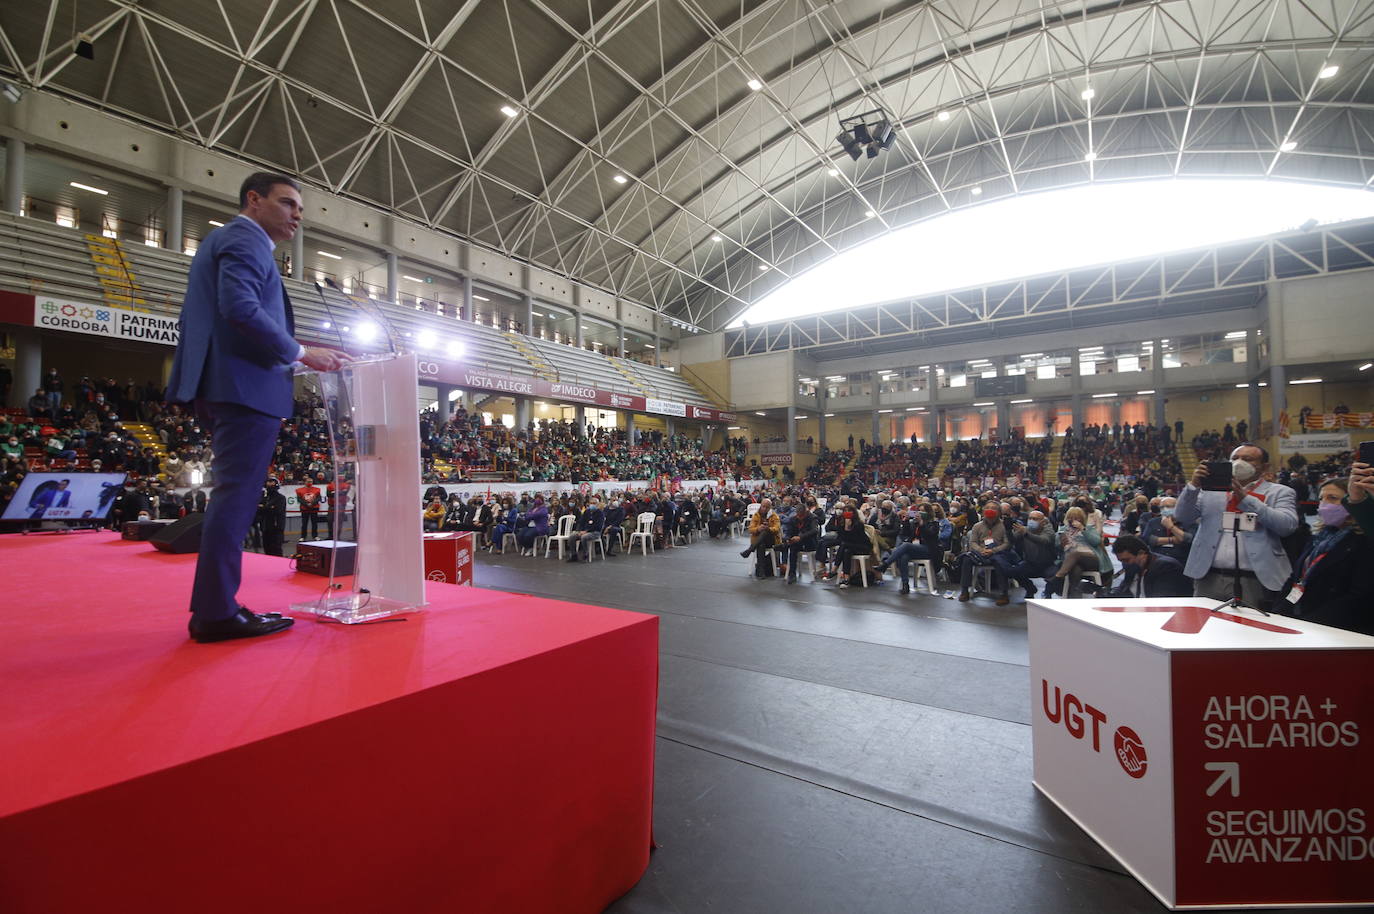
x=1075, y=714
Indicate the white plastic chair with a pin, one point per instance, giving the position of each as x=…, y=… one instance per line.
x=508, y=538
x=565, y=535
x=644, y=534
x=926, y=567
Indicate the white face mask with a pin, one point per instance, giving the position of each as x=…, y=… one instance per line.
x=1242, y=470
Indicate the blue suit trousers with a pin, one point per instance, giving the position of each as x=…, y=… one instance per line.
x=243, y=441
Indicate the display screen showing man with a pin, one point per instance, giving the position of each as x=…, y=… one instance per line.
x=234, y=363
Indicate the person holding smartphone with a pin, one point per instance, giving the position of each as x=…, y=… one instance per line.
x=1257, y=554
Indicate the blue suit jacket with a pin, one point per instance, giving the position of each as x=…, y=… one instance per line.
x=236, y=329
x=1277, y=517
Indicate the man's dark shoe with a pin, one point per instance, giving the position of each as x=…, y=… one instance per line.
x=745, y=553
x=964, y=596
x=242, y=624
x=1003, y=599
x=262, y=615
x=906, y=587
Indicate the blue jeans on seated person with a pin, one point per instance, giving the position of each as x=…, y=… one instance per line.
x=902, y=556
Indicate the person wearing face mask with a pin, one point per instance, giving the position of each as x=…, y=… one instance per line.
x=1331, y=583
x=1035, y=542
x=1146, y=573
x=988, y=540
x=614, y=516
x=1218, y=553
x=272, y=517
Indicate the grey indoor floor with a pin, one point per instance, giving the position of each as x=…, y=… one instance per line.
x=825, y=750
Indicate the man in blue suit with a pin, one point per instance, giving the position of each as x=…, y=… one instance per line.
x=234, y=363
x=1257, y=556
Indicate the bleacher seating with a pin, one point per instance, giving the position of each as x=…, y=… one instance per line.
x=41, y=258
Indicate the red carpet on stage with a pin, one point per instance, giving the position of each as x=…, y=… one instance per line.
x=493, y=753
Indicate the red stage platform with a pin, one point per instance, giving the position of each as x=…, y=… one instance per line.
x=493, y=753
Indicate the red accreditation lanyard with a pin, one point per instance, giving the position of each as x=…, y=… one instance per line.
x=1233, y=503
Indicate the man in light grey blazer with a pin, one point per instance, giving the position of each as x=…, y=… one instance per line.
x=1260, y=558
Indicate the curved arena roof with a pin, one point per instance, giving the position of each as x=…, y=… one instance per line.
x=399, y=104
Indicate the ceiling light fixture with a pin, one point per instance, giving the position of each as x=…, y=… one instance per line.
x=977, y=191
x=619, y=179
x=942, y=115
x=1090, y=157
x=1087, y=94
x=1287, y=146
x=717, y=238
x=1328, y=71
x=216, y=222
x=1366, y=366
x=834, y=172
x=1022, y=401
x=1141, y=393
x=869, y=214
x=754, y=85
x=866, y=134
x=1306, y=381
x=509, y=110
x=477, y=297
x=1103, y=396
x=94, y=190
x=329, y=255
x=411, y=278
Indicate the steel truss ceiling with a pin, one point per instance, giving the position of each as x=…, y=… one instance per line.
x=1200, y=280
x=398, y=104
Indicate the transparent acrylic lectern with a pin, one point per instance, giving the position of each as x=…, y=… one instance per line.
x=370, y=410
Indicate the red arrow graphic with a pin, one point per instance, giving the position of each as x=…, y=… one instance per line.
x=1189, y=620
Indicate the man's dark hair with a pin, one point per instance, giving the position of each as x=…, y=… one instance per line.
x=262, y=182
x=1264, y=454
x=1128, y=543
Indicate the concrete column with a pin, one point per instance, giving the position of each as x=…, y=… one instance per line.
x=792, y=429
x=708, y=434
x=580, y=420
x=820, y=422
x=940, y=430
x=620, y=337
x=1004, y=419
x=465, y=303
x=14, y=182
x=393, y=270
x=877, y=421
x=522, y=413
x=175, y=237
x=670, y=426
x=442, y=393
x=577, y=328
x=1076, y=386
x=28, y=365
x=529, y=313
x=630, y=427
x=1157, y=382
x=1278, y=396
x=1252, y=372
x=298, y=255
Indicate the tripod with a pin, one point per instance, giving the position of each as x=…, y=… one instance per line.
x=1237, y=600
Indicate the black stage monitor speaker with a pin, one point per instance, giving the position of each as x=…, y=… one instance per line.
x=180, y=537
x=316, y=557
x=144, y=529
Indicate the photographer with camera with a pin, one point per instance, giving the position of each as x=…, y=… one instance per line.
x=1239, y=528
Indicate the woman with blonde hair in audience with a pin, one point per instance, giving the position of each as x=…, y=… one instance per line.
x=1078, y=541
